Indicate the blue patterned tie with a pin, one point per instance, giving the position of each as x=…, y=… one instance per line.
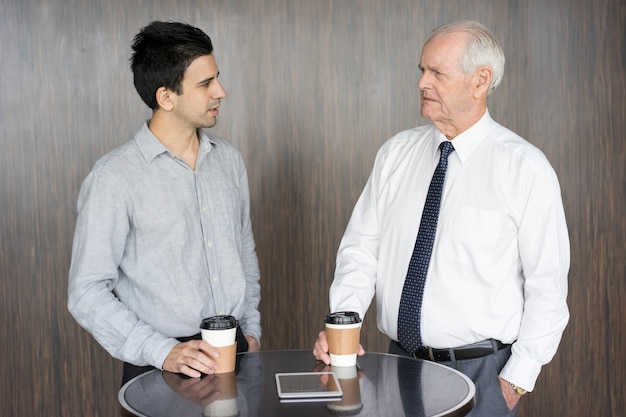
x=411, y=300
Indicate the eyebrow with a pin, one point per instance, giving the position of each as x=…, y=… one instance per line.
x=208, y=80
x=433, y=68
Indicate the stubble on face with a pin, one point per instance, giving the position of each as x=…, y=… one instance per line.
x=202, y=93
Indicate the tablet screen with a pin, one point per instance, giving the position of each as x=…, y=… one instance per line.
x=308, y=385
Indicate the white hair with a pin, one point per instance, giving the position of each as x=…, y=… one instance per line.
x=482, y=49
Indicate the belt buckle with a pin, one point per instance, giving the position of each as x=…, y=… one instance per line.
x=431, y=356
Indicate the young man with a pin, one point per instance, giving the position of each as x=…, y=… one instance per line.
x=492, y=252
x=163, y=237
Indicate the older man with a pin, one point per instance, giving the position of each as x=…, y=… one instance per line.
x=483, y=286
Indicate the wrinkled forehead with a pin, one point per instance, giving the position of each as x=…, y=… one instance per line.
x=450, y=41
x=444, y=47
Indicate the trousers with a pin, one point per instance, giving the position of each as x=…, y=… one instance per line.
x=483, y=371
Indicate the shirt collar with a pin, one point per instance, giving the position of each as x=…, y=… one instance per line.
x=465, y=143
x=150, y=147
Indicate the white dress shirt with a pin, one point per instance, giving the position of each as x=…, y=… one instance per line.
x=501, y=254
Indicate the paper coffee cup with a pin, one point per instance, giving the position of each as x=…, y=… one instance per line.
x=343, y=331
x=219, y=330
x=221, y=333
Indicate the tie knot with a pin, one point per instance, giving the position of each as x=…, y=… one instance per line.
x=446, y=149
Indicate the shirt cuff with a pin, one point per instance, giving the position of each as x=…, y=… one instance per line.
x=158, y=355
x=521, y=372
x=253, y=333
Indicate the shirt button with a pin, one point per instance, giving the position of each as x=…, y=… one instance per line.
x=209, y=244
x=214, y=278
x=203, y=209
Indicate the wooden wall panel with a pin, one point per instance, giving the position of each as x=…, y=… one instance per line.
x=314, y=88
x=578, y=64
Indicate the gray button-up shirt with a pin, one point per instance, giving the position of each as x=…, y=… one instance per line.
x=159, y=246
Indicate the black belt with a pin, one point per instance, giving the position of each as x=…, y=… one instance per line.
x=473, y=351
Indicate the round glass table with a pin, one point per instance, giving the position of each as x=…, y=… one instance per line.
x=380, y=385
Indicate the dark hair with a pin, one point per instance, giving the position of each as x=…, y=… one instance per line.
x=162, y=51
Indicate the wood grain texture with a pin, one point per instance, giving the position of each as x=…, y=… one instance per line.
x=314, y=89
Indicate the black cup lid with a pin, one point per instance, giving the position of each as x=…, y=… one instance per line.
x=343, y=317
x=219, y=323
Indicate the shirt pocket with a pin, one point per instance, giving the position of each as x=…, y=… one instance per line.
x=480, y=237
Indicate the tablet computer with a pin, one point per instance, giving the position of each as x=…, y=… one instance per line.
x=309, y=386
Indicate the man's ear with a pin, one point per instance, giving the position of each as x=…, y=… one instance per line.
x=482, y=80
x=164, y=99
